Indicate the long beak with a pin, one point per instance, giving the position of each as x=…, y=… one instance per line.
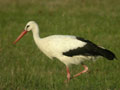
x=20, y=36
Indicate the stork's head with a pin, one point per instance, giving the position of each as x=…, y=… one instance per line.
x=31, y=25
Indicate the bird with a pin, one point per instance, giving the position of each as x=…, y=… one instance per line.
x=69, y=49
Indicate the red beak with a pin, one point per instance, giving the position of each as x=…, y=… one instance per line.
x=20, y=36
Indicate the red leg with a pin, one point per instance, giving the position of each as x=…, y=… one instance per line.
x=68, y=73
x=85, y=70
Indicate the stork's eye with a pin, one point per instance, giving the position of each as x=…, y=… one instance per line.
x=28, y=26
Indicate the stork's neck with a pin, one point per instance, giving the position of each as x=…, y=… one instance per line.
x=36, y=36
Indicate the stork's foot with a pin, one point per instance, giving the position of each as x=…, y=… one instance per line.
x=76, y=75
x=68, y=78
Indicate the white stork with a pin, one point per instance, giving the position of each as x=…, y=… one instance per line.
x=66, y=48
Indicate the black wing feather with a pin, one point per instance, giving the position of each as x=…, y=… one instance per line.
x=90, y=49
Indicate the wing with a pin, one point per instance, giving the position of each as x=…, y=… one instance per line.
x=67, y=45
x=90, y=49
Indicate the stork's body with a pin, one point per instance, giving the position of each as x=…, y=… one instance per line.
x=68, y=49
x=57, y=45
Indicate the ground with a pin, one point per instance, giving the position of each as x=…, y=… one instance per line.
x=24, y=67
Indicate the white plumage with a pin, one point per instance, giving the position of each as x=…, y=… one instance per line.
x=66, y=48
x=54, y=46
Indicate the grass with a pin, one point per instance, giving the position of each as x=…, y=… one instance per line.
x=24, y=67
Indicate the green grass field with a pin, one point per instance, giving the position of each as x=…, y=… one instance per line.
x=24, y=67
